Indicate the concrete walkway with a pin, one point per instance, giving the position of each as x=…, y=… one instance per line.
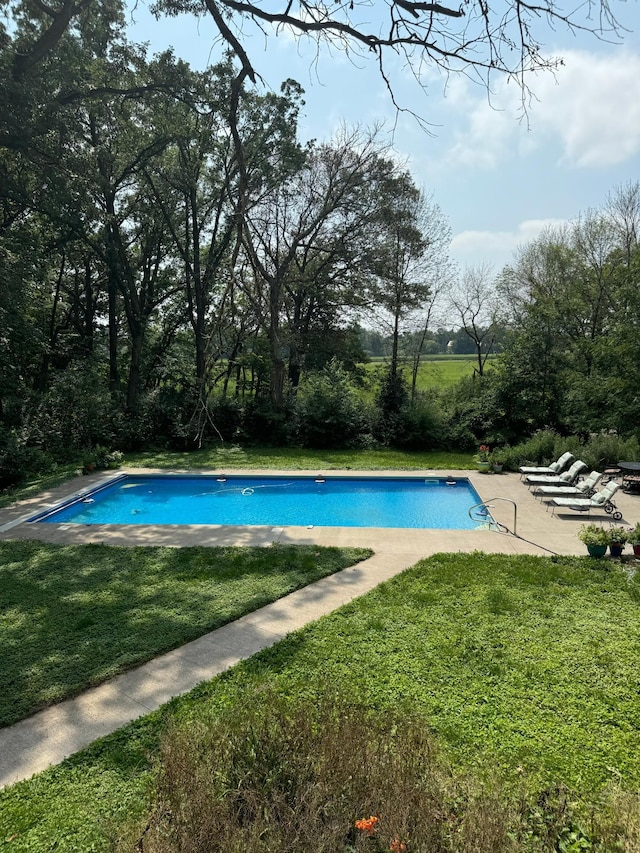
x=53, y=734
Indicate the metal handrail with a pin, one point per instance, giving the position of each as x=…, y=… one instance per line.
x=488, y=505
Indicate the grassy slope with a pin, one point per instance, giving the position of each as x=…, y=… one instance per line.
x=526, y=664
x=76, y=615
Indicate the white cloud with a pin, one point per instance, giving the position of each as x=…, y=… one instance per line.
x=470, y=248
x=590, y=110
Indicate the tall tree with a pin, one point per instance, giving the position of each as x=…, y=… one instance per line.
x=304, y=237
x=408, y=255
x=475, y=303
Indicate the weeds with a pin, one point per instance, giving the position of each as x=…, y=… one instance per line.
x=292, y=779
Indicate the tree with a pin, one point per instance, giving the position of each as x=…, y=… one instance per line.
x=306, y=241
x=476, y=305
x=476, y=38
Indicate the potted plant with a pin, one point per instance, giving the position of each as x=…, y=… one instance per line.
x=497, y=459
x=596, y=539
x=633, y=538
x=617, y=540
x=482, y=458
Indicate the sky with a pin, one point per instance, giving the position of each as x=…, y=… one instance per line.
x=499, y=178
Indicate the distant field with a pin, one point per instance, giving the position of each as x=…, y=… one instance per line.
x=435, y=371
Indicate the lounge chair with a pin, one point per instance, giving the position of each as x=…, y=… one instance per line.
x=554, y=468
x=601, y=500
x=582, y=490
x=568, y=477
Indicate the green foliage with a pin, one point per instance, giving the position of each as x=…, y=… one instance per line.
x=116, y=607
x=76, y=412
x=593, y=534
x=265, y=423
x=517, y=675
x=330, y=411
x=19, y=461
x=423, y=425
x=544, y=447
x=400, y=422
x=603, y=450
x=598, y=452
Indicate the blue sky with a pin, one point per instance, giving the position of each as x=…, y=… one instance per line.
x=498, y=179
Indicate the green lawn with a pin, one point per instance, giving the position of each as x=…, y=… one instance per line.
x=295, y=458
x=522, y=667
x=439, y=372
x=73, y=616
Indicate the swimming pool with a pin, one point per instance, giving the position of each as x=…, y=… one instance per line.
x=323, y=501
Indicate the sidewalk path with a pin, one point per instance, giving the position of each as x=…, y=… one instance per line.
x=53, y=734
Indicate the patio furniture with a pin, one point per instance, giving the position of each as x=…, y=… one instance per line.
x=582, y=490
x=568, y=477
x=554, y=468
x=630, y=476
x=601, y=500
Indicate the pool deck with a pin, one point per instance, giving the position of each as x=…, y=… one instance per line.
x=51, y=735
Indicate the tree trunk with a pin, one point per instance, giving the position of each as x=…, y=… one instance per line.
x=135, y=367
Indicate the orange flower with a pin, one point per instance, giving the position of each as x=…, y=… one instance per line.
x=368, y=824
x=397, y=846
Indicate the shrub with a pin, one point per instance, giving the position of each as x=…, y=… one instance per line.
x=606, y=449
x=330, y=413
x=19, y=461
x=265, y=424
x=75, y=412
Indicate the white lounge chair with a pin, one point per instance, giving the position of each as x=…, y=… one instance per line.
x=554, y=468
x=582, y=490
x=568, y=477
x=601, y=500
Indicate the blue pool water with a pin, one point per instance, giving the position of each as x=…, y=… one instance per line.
x=275, y=501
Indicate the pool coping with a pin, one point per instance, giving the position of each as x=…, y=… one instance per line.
x=112, y=478
x=54, y=733
x=539, y=532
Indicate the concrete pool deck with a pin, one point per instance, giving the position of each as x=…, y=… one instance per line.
x=51, y=735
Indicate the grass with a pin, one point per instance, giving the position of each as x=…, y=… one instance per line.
x=442, y=372
x=524, y=669
x=74, y=616
x=40, y=483
x=228, y=457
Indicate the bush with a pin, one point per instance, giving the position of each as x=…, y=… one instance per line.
x=330, y=413
x=271, y=777
x=421, y=426
x=603, y=450
x=18, y=461
x=76, y=412
x=264, y=424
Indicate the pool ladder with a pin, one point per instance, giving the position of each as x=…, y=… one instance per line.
x=486, y=506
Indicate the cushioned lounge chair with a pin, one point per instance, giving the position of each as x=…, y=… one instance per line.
x=554, y=468
x=582, y=490
x=601, y=500
x=569, y=477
